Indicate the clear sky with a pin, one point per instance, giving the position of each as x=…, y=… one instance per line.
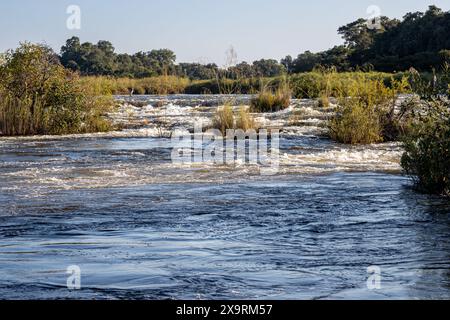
x=197, y=30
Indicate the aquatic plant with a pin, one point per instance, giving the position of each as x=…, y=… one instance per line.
x=225, y=119
x=316, y=84
x=245, y=120
x=366, y=113
x=272, y=100
x=427, y=158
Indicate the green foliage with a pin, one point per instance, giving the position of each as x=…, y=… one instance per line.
x=427, y=146
x=427, y=150
x=197, y=71
x=160, y=85
x=101, y=60
x=330, y=83
x=305, y=62
x=420, y=40
x=268, y=68
x=39, y=96
x=416, y=41
x=356, y=124
x=173, y=85
x=305, y=85
x=238, y=86
x=366, y=113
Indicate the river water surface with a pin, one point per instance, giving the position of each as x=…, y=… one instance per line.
x=141, y=227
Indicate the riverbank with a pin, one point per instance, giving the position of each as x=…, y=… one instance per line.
x=303, y=85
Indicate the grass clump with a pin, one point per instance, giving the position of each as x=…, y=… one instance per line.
x=272, y=100
x=245, y=120
x=39, y=96
x=324, y=102
x=427, y=146
x=225, y=119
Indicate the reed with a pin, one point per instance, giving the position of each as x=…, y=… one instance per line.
x=245, y=120
x=272, y=100
x=225, y=119
x=160, y=85
x=329, y=83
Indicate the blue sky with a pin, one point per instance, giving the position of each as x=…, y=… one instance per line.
x=197, y=30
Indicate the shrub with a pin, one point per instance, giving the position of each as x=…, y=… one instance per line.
x=427, y=150
x=39, y=96
x=427, y=158
x=356, y=124
x=368, y=114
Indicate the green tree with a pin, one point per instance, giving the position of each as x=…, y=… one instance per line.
x=268, y=68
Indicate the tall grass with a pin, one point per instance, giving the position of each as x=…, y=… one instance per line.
x=328, y=83
x=272, y=99
x=225, y=119
x=319, y=83
x=81, y=113
x=160, y=85
x=245, y=120
x=427, y=158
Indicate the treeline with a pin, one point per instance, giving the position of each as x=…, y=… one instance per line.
x=420, y=40
x=101, y=60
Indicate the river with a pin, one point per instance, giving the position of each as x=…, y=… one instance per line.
x=139, y=226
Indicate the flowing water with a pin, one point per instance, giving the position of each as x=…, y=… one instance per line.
x=139, y=226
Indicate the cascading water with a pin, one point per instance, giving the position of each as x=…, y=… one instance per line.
x=140, y=226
